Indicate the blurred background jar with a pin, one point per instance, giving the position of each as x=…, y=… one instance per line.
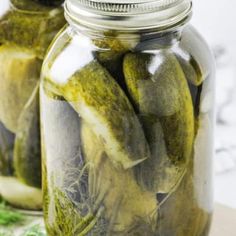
x=26, y=29
x=127, y=113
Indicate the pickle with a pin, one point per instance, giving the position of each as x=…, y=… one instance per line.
x=135, y=68
x=113, y=63
x=32, y=31
x=28, y=5
x=126, y=204
x=197, y=58
x=93, y=148
x=166, y=111
x=19, y=73
x=99, y=100
x=50, y=2
x=20, y=195
x=182, y=210
x=165, y=175
x=27, y=154
x=111, y=52
x=6, y=154
x=115, y=44
x=195, y=79
x=191, y=70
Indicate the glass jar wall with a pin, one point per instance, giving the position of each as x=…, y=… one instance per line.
x=26, y=29
x=127, y=127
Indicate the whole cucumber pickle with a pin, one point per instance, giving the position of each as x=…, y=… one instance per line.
x=27, y=154
x=163, y=99
x=100, y=101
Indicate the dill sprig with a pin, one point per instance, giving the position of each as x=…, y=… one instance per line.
x=4, y=233
x=9, y=216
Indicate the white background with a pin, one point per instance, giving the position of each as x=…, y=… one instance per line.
x=216, y=21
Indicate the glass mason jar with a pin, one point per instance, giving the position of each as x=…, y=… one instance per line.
x=26, y=29
x=127, y=111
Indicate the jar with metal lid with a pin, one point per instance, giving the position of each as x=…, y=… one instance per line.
x=26, y=29
x=127, y=115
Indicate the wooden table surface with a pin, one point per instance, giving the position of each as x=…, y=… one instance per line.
x=224, y=222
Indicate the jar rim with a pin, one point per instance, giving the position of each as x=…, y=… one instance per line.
x=126, y=15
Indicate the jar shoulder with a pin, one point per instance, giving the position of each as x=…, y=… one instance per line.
x=194, y=46
x=72, y=50
x=69, y=52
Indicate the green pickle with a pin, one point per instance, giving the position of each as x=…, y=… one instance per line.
x=189, y=197
x=195, y=79
x=111, y=48
x=191, y=69
x=183, y=198
x=6, y=151
x=27, y=28
x=165, y=105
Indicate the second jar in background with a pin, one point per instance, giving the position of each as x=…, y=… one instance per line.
x=26, y=29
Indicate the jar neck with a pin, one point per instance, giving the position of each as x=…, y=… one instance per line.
x=156, y=37
x=135, y=41
x=92, y=15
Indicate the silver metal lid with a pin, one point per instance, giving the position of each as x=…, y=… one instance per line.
x=127, y=15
